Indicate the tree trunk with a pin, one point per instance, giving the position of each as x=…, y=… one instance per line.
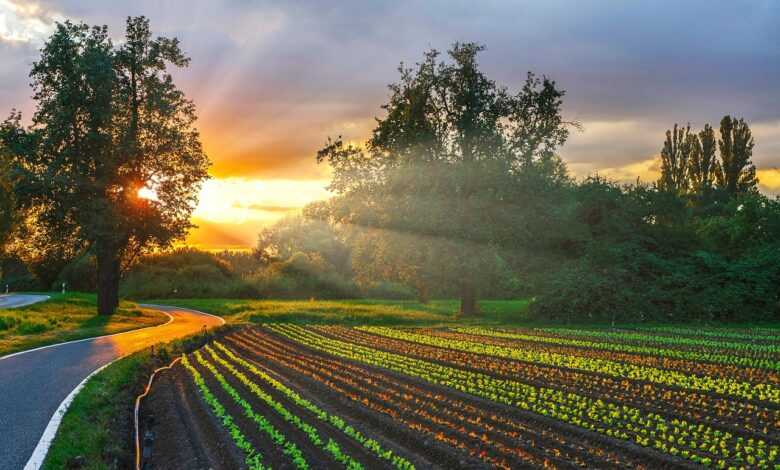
x=468, y=300
x=107, y=288
x=115, y=289
x=423, y=295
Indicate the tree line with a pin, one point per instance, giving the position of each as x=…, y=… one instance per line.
x=458, y=192
x=690, y=165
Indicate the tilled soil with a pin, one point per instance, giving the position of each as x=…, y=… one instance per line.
x=186, y=433
x=583, y=446
x=429, y=425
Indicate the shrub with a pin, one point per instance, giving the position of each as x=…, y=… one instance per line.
x=27, y=327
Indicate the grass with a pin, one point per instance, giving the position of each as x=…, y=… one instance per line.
x=353, y=312
x=90, y=436
x=67, y=317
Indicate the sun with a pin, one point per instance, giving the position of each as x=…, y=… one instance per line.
x=147, y=193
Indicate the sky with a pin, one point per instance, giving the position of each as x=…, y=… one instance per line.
x=273, y=80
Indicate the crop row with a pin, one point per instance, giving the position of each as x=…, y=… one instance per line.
x=737, y=416
x=650, y=351
x=331, y=446
x=761, y=334
x=252, y=457
x=289, y=448
x=723, y=385
x=696, y=442
x=429, y=425
x=446, y=418
x=336, y=421
x=724, y=413
x=746, y=348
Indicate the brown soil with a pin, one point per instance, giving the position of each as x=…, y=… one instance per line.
x=429, y=425
x=741, y=418
x=582, y=443
x=186, y=433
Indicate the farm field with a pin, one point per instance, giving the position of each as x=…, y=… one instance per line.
x=326, y=396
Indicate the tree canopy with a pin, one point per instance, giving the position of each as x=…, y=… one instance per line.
x=109, y=123
x=445, y=162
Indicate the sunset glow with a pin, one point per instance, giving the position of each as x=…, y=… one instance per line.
x=232, y=211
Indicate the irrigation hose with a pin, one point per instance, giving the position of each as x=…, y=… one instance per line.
x=138, y=405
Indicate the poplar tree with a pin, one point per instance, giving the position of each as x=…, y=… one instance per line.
x=738, y=174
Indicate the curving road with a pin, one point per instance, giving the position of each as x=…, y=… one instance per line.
x=20, y=300
x=36, y=386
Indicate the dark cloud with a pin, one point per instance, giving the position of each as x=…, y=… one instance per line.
x=273, y=79
x=264, y=207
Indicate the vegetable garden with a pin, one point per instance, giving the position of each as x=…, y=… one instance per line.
x=472, y=397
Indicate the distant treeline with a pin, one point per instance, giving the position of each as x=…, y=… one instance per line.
x=460, y=192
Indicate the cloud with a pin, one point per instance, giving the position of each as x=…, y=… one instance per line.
x=272, y=80
x=769, y=180
x=241, y=200
x=26, y=22
x=646, y=171
x=265, y=207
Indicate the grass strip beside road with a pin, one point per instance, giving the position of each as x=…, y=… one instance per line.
x=94, y=433
x=68, y=317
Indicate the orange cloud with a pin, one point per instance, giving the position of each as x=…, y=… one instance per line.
x=769, y=179
x=232, y=211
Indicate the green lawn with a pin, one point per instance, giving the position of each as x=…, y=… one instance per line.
x=353, y=312
x=66, y=317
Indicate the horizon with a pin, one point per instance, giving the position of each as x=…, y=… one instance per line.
x=272, y=82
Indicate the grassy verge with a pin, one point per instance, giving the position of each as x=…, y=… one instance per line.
x=90, y=435
x=353, y=312
x=97, y=430
x=67, y=317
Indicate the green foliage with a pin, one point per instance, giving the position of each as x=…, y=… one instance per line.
x=689, y=166
x=183, y=273
x=109, y=121
x=87, y=432
x=352, y=312
x=642, y=254
x=437, y=184
x=79, y=275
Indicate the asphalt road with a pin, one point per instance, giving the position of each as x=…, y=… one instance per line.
x=34, y=384
x=20, y=300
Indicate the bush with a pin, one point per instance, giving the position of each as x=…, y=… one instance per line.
x=8, y=322
x=27, y=327
x=79, y=275
x=389, y=291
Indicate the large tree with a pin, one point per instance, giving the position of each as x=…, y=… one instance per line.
x=447, y=162
x=110, y=125
x=738, y=174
